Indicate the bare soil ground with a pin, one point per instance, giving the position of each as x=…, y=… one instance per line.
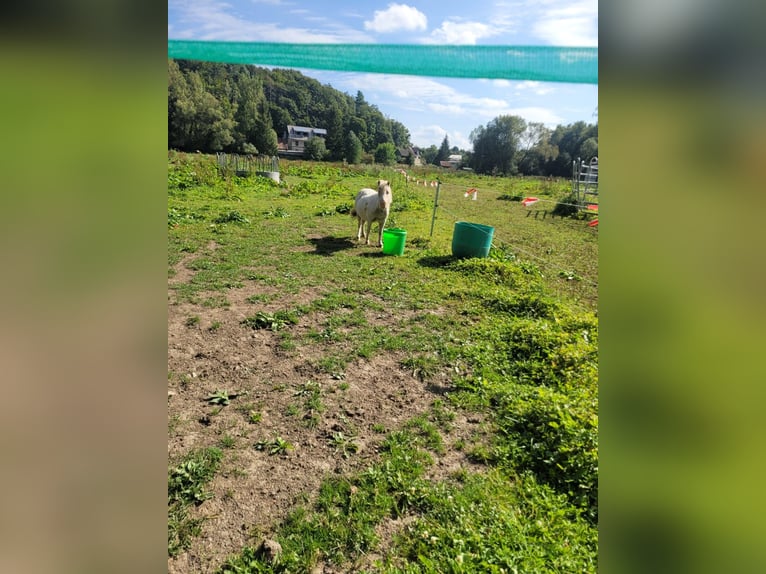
x=254, y=491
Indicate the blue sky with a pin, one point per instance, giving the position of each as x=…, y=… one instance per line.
x=430, y=107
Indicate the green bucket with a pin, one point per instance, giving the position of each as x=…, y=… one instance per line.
x=471, y=239
x=393, y=241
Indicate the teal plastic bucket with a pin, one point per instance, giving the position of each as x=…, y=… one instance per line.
x=393, y=241
x=471, y=239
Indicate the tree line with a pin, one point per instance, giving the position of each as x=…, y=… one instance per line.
x=244, y=109
x=509, y=145
x=241, y=108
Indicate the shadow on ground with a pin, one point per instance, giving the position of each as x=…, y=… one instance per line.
x=329, y=245
x=435, y=260
x=438, y=389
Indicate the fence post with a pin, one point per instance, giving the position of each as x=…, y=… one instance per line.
x=436, y=204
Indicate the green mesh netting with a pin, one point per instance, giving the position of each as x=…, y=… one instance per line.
x=542, y=63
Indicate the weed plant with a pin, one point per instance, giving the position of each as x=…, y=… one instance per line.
x=186, y=487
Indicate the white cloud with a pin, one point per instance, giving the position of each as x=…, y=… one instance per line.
x=523, y=88
x=460, y=140
x=466, y=33
x=535, y=87
x=567, y=32
x=537, y=114
x=568, y=24
x=429, y=133
x=426, y=135
x=351, y=14
x=452, y=109
x=416, y=94
x=212, y=20
x=397, y=18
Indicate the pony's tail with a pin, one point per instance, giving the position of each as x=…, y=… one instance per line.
x=353, y=212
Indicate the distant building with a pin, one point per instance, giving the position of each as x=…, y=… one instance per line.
x=452, y=162
x=297, y=136
x=404, y=154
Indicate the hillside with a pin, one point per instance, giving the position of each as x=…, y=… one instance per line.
x=240, y=108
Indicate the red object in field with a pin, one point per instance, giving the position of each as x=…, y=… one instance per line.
x=527, y=201
x=593, y=206
x=593, y=223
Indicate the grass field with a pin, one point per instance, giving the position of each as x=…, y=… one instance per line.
x=372, y=413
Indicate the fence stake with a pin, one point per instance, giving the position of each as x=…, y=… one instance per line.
x=436, y=204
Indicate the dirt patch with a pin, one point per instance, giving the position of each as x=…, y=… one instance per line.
x=281, y=395
x=182, y=272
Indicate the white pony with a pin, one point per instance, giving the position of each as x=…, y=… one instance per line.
x=371, y=206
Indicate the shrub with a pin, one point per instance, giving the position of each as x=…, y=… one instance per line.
x=315, y=149
x=499, y=272
x=233, y=216
x=566, y=207
x=249, y=148
x=555, y=436
x=353, y=148
x=385, y=153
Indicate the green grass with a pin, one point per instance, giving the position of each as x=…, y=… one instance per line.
x=512, y=337
x=487, y=524
x=187, y=482
x=482, y=523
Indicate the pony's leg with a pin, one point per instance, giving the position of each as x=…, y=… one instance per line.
x=360, y=226
x=380, y=232
x=367, y=234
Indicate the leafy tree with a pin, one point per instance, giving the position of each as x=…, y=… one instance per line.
x=535, y=149
x=383, y=133
x=495, y=145
x=249, y=96
x=357, y=125
x=400, y=134
x=180, y=111
x=588, y=149
x=385, y=153
x=269, y=142
x=353, y=148
x=443, y=152
x=429, y=154
x=335, y=140
x=315, y=149
x=359, y=102
x=568, y=140
x=280, y=118
x=210, y=128
x=196, y=118
x=265, y=136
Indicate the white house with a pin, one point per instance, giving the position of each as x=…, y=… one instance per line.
x=297, y=136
